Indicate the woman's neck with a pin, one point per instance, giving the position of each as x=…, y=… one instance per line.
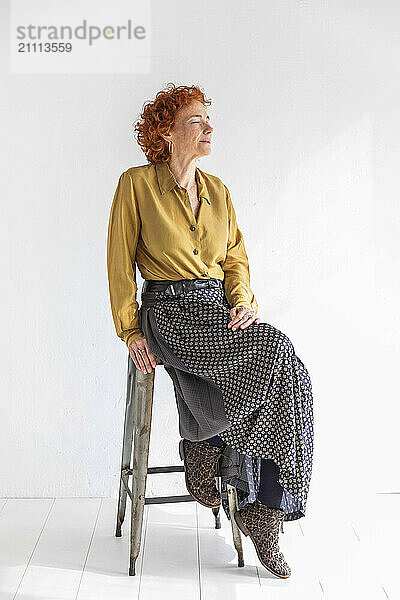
x=184, y=172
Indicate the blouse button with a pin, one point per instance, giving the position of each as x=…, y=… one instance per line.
x=192, y=227
x=195, y=251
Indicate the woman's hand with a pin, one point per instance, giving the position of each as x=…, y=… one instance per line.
x=242, y=316
x=141, y=355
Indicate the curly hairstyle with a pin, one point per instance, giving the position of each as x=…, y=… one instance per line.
x=158, y=116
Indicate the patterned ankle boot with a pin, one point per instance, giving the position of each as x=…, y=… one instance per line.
x=200, y=465
x=261, y=523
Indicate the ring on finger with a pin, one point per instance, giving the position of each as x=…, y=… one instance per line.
x=247, y=316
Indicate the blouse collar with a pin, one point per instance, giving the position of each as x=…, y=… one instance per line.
x=167, y=181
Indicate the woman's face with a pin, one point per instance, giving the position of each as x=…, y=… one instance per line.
x=191, y=132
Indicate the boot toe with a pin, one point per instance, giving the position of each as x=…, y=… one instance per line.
x=279, y=564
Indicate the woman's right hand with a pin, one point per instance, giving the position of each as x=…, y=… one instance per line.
x=141, y=355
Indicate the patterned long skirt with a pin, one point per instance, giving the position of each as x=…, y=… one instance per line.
x=247, y=386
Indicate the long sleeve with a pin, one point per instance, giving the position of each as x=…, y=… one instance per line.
x=123, y=233
x=236, y=264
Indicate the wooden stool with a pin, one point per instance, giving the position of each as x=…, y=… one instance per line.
x=138, y=413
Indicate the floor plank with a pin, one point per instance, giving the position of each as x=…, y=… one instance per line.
x=220, y=575
x=21, y=524
x=56, y=565
x=170, y=561
x=377, y=525
x=341, y=561
x=105, y=575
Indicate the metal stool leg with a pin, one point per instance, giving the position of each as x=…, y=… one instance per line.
x=126, y=446
x=237, y=538
x=143, y=412
x=216, y=510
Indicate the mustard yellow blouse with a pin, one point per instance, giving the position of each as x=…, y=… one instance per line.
x=152, y=222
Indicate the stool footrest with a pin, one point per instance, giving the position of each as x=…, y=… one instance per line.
x=169, y=469
x=164, y=499
x=151, y=470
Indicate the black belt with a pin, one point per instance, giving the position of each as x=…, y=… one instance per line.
x=180, y=286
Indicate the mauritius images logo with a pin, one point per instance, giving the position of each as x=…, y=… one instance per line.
x=53, y=39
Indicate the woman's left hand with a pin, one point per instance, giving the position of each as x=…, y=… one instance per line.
x=242, y=317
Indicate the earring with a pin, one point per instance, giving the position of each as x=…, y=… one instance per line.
x=170, y=147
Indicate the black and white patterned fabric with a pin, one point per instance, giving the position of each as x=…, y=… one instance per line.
x=247, y=386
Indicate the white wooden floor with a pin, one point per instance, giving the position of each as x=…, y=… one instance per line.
x=65, y=549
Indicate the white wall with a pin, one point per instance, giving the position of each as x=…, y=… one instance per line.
x=306, y=110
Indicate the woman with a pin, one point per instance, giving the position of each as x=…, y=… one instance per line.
x=243, y=396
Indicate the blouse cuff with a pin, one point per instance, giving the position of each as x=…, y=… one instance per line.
x=133, y=335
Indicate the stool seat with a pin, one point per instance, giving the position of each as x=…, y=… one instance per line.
x=136, y=437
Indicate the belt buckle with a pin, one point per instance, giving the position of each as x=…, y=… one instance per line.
x=175, y=289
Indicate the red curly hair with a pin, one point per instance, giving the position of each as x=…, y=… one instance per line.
x=158, y=116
